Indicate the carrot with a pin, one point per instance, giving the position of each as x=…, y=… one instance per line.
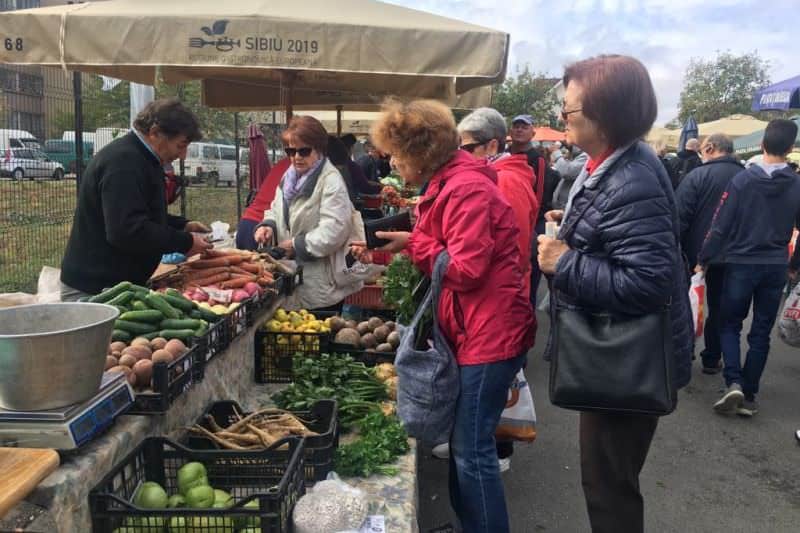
x=242, y=271
x=248, y=277
x=264, y=282
x=210, y=280
x=210, y=263
x=253, y=268
x=221, y=252
x=235, y=283
x=191, y=273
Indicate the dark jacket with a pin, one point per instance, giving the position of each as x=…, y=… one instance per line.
x=688, y=160
x=121, y=226
x=755, y=219
x=624, y=256
x=374, y=169
x=698, y=198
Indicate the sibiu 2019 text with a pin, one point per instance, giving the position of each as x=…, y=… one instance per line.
x=278, y=44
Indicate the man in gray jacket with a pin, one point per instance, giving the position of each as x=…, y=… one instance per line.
x=569, y=169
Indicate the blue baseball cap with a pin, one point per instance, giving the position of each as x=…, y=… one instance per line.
x=527, y=119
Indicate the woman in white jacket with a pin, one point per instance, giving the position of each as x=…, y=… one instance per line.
x=312, y=218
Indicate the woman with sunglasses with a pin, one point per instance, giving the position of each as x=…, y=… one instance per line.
x=311, y=216
x=617, y=253
x=484, y=311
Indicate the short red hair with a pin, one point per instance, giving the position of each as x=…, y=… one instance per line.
x=307, y=131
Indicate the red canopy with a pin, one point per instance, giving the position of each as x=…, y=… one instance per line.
x=545, y=134
x=259, y=164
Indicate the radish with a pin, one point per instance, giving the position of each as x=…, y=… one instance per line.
x=199, y=296
x=240, y=295
x=252, y=288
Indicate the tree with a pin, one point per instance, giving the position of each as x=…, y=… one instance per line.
x=527, y=94
x=722, y=86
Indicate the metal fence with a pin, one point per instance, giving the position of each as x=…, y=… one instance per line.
x=40, y=161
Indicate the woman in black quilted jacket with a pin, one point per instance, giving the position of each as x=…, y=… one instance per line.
x=622, y=257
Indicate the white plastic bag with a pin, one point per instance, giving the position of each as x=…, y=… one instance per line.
x=789, y=322
x=48, y=290
x=697, y=296
x=518, y=421
x=330, y=506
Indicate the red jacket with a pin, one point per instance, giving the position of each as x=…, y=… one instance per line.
x=266, y=193
x=483, y=311
x=515, y=179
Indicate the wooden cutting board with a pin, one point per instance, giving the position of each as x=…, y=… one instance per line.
x=21, y=470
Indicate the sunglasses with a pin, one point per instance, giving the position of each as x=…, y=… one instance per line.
x=304, y=152
x=470, y=147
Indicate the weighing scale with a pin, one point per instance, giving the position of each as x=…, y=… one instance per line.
x=68, y=427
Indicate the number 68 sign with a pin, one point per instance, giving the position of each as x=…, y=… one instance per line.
x=13, y=44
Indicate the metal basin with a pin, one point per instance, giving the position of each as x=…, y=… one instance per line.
x=52, y=355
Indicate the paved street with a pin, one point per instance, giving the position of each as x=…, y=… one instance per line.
x=705, y=473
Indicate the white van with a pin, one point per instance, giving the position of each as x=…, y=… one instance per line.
x=214, y=163
x=103, y=136
x=88, y=136
x=18, y=139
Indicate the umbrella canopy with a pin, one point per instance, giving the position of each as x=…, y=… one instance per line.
x=752, y=142
x=733, y=126
x=689, y=131
x=778, y=97
x=259, y=164
x=360, y=46
x=545, y=134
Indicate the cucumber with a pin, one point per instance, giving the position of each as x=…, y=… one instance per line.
x=150, y=315
x=186, y=323
x=141, y=295
x=122, y=309
x=121, y=299
x=137, y=328
x=120, y=335
x=157, y=302
x=202, y=330
x=182, y=334
x=139, y=305
x=205, y=314
x=179, y=302
x=108, y=294
x=196, y=314
x=139, y=288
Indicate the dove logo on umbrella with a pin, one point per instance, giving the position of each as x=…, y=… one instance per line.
x=216, y=33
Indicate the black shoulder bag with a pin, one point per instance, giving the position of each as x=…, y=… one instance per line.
x=610, y=362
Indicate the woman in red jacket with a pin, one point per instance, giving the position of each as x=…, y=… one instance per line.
x=484, y=311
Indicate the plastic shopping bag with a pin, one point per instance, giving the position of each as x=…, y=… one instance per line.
x=518, y=421
x=697, y=296
x=789, y=322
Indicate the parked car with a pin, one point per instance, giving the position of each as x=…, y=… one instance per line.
x=19, y=163
x=18, y=139
x=63, y=152
x=210, y=162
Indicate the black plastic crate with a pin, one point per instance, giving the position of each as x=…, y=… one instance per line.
x=169, y=381
x=273, y=477
x=256, y=304
x=366, y=357
x=217, y=338
x=274, y=352
x=322, y=417
x=236, y=322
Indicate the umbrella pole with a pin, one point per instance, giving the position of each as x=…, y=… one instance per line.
x=238, y=167
x=287, y=80
x=338, y=121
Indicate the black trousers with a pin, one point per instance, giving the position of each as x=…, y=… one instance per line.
x=613, y=451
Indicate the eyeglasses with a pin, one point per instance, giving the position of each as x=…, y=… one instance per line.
x=470, y=147
x=565, y=114
x=304, y=152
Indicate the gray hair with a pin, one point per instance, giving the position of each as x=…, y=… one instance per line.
x=693, y=144
x=484, y=124
x=720, y=142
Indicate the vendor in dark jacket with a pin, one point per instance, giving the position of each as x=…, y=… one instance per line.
x=121, y=226
x=617, y=252
x=750, y=234
x=698, y=198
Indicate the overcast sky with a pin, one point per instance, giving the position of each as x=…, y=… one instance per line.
x=663, y=34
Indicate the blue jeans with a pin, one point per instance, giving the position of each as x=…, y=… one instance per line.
x=763, y=286
x=476, y=490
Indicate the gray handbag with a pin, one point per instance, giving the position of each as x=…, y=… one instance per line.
x=428, y=380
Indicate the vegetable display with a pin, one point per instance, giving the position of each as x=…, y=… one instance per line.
x=401, y=278
x=137, y=359
x=256, y=431
x=381, y=441
x=373, y=335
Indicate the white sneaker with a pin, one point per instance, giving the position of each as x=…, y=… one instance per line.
x=442, y=451
x=504, y=464
x=731, y=401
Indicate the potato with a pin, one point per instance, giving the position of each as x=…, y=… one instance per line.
x=118, y=346
x=111, y=362
x=350, y=324
x=162, y=356
x=176, y=347
x=381, y=333
x=368, y=341
x=127, y=360
x=144, y=372
x=140, y=341
x=140, y=351
x=337, y=323
x=127, y=371
x=363, y=328
x=348, y=336
x=374, y=323
x=385, y=347
x=116, y=354
x=391, y=325
x=158, y=343
x=394, y=339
